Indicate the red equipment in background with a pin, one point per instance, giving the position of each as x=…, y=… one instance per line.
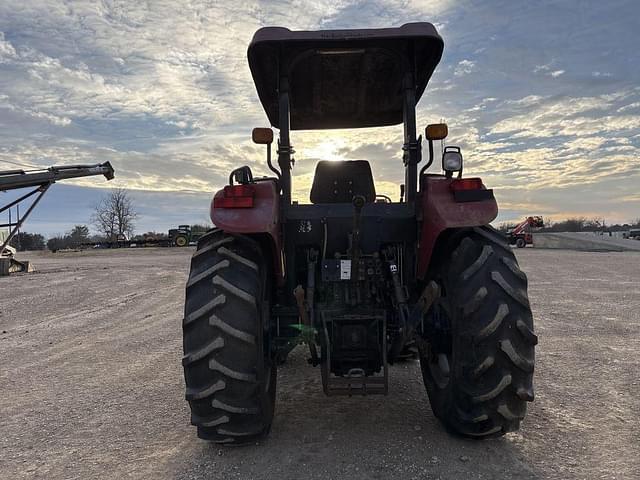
x=521, y=236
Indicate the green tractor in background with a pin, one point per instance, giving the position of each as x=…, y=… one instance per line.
x=185, y=234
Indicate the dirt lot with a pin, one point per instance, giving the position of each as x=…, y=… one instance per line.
x=91, y=384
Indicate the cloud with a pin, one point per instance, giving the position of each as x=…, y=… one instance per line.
x=464, y=67
x=162, y=89
x=6, y=49
x=546, y=69
x=631, y=106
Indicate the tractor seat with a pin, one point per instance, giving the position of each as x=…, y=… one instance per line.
x=339, y=182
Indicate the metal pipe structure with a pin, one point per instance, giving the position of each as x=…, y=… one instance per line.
x=270, y=164
x=412, y=147
x=13, y=179
x=18, y=200
x=42, y=180
x=428, y=164
x=284, y=144
x=16, y=226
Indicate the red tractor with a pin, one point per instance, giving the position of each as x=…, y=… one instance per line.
x=355, y=276
x=521, y=235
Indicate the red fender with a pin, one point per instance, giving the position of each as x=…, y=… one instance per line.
x=263, y=217
x=440, y=212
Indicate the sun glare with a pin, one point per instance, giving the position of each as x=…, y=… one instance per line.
x=326, y=150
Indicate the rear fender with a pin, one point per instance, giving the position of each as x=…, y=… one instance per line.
x=263, y=219
x=441, y=212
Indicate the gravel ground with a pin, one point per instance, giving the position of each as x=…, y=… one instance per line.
x=92, y=385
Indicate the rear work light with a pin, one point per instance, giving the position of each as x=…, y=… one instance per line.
x=470, y=190
x=235, y=196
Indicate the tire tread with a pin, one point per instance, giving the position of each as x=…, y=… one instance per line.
x=228, y=385
x=492, y=375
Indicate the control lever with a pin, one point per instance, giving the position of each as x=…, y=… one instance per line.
x=401, y=302
x=358, y=202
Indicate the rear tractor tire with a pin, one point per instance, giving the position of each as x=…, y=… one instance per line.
x=228, y=369
x=478, y=358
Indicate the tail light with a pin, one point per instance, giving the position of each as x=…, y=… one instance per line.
x=470, y=190
x=466, y=184
x=235, y=196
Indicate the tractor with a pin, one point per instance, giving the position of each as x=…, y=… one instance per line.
x=183, y=236
x=355, y=276
x=521, y=235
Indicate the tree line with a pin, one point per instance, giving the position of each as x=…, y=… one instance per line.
x=113, y=219
x=577, y=224
x=74, y=238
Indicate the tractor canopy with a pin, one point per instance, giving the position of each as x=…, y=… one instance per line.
x=342, y=78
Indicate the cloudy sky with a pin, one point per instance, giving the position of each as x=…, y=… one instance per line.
x=543, y=97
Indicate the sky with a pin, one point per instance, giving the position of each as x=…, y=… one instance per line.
x=543, y=97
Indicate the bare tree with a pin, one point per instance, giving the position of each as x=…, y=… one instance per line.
x=114, y=215
x=504, y=227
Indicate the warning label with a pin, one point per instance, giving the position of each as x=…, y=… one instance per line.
x=345, y=269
